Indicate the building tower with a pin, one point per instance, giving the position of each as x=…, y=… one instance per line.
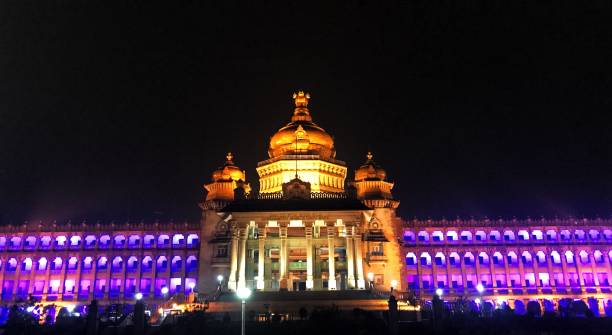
x=228, y=183
x=382, y=227
x=301, y=150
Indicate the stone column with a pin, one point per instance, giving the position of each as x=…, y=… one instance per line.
x=594, y=271
x=551, y=274
x=506, y=269
x=359, y=260
x=536, y=272
x=492, y=270
x=564, y=269
x=282, y=233
x=477, y=266
x=419, y=272
x=32, y=277
x=309, y=259
x=3, y=260
x=242, y=262
x=608, y=267
x=349, y=257
x=577, y=260
x=331, y=283
x=77, y=282
x=434, y=270
x=17, y=274
x=261, y=284
x=463, y=273
x=231, y=284
x=519, y=258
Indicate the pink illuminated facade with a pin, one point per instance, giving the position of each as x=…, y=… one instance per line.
x=108, y=262
x=511, y=259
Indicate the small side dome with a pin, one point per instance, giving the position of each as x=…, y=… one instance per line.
x=229, y=171
x=370, y=170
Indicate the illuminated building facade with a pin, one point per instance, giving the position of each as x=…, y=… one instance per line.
x=512, y=260
x=81, y=262
x=306, y=229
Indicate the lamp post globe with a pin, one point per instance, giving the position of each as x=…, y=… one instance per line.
x=480, y=288
x=439, y=292
x=138, y=296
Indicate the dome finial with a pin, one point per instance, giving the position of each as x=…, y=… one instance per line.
x=369, y=156
x=229, y=157
x=301, y=99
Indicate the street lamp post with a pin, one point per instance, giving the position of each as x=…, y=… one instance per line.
x=243, y=293
x=220, y=281
x=480, y=289
x=371, y=279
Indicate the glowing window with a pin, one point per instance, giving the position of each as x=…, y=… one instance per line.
x=537, y=235
x=193, y=241
x=452, y=236
x=481, y=236
x=466, y=235
x=178, y=240
x=494, y=235
x=423, y=236
x=509, y=235
x=119, y=242
x=163, y=241
x=104, y=242
x=551, y=235
x=409, y=236
x=523, y=235
x=437, y=236
x=134, y=241
x=425, y=259
x=411, y=259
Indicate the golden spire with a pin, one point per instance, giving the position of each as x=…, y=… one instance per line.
x=229, y=157
x=369, y=156
x=301, y=99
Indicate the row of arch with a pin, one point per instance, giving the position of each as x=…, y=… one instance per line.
x=511, y=258
x=508, y=235
x=116, y=264
x=106, y=241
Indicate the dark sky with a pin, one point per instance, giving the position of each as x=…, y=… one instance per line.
x=122, y=111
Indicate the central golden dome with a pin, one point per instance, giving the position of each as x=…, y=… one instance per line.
x=301, y=136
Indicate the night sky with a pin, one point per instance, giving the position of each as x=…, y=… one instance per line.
x=114, y=111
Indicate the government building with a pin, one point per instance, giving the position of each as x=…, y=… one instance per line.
x=310, y=227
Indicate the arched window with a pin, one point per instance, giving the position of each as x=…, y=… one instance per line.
x=512, y=258
x=468, y=258
x=73, y=263
x=523, y=235
x=498, y=259
x=481, y=236
x=483, y=258
x=555, y=257
x=466, y=236
x=163, y=241
x=45, y=242
x=541, y=257
x=437, y=236
x=193, y=241
x=15, y=242
x=75, y=241
x=178, y=240
x=494, y=235
x=133, y=241
x=425, y=259
x=132, y=263
x=598, y=256
x=537, y=235
x=569, y=257
x=42, y=264
x=423, y=236
x=526, y=258
x=409, y=236
x=26, y=265
x=87, y=263
x=104, y=242
x=162, y=264
x=411, y=259
x=148, y=241
x=2, y=242
x=607, y=234
x=594, y=235
x=119, y=242
x=102, y=263
x=117, y=265
x=192, y=264
x=147, y=264
x=56, y=265
x=454, y=259
x=579, y=234
x=60, y=242
x=440, y=259
x=11, y=265
x=565, y=235
x=452, y=236
x=509, y=236
x=30, y=243
x=584, y=257
x=551, y=235
x=177, y=263
x=90, y=242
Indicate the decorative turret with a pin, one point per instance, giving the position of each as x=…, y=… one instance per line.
x=225, y=180
x=372, y=188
